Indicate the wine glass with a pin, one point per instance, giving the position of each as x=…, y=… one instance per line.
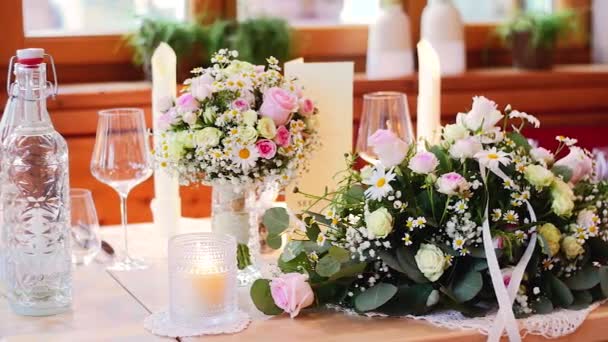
x=86, y=242
x=383, y=110
x=122, y=160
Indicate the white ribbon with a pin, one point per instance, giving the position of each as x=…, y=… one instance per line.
x=505, y=318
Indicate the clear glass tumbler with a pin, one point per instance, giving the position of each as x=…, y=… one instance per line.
x=202, y=280
x=86, y=242
x=383, y=110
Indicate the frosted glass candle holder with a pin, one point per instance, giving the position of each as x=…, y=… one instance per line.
x=202, y=280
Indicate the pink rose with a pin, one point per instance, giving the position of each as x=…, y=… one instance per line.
x=507, y=273
x=306, y=106
x=452, y=184
x=291, y=292
x=278, y=105
x=423, y=163
x=388, y=147
x=283, y=136
x=166, y=119
x=187, y=103
x=266, y=148
x=240, y=104
x=578, y=161
x=201, y=87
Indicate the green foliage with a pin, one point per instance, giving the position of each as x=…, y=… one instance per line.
x=562, y=295
x=584, y=279
x=405, y=263
x=408, y=300
x=262, y=298
x=276, y=220
x=375, y=297
x=563, y=171
x=467, y=287
x=545, y=28
x=328, y=266
x=254, y=39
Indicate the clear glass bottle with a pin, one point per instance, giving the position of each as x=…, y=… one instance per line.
x=35, y=198
x=234, y=212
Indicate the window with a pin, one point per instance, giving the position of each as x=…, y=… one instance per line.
x=491, y=11
x=93, y=17
x=312, y=12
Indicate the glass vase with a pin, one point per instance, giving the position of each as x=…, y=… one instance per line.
x=234, y=212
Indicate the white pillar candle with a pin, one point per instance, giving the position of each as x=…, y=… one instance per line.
x=429, y=94
x=166, y=206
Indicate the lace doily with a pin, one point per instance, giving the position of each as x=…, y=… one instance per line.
x=553, y=325
x=160, y=324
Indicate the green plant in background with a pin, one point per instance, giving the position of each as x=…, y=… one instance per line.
x=254, y=39
x=545, y=28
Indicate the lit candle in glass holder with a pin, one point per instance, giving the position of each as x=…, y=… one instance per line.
x=202, y=271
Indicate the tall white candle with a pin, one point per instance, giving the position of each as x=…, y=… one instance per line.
x=166, y=206
x=429, y=94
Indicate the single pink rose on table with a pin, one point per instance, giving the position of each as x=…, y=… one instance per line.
x=266, y=148
x=278, y=104
x=388, y=147
x=423, y=163
x=240, y=104
x=452, y=184
x=291, y=293
x=578, y=162
x=306, y=106
x=283, y=136
x=187, y=103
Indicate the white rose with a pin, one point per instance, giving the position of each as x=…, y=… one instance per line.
x=423, y=163
x=562, y=198
x=189, y=118
x=539, y=176
x=454, y=132
x=430, y=261
x=207, y=137
x=379, y=223
x=542, y=155
x=250, y=117
x=452, y=184
x=465, y=148
x=483, y=116
x=201, y=87
x=248, y=134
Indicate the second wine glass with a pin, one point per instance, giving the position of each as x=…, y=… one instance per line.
x=122, y=160
x=383, y=110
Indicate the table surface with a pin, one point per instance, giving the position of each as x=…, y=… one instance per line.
x=111, y=306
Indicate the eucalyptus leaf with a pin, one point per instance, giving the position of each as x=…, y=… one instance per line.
x=391, y=261
x=584, y=279
x=520, y=140
x=262, y=298
x=467, y=287
x=274, y=241
x=563, y=171
x=479, y=264
x=349, y=271
x=298, y=264
x=408, y=300
x=276, y=220
x=582, y=299
x=561, y=293
x=408, y=264
x=292, y=250
x=445, y=163
x=313, y=231
x=340, y=254
x=328, y=266
x=542, y=306
x=355, y=194
x=374, y=297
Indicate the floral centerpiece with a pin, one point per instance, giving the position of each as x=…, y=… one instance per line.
x=479, y=221
x=237, y=126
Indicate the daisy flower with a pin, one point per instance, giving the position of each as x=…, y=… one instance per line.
x=407, y=240
x=410, y=223
x=520, y=236
x=321, y=239
x=511, y=217
x=379, y=183
x=420, y=222
x=493, y=158
x=245, y=156
x=567, y=141
x=449, y=259
x=461, y=206
x=525, y=116
x=592, y=230
x=496, y=215
x=548, y=264
x=458, y=242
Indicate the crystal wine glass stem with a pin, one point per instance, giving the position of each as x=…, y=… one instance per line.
x=123, y=222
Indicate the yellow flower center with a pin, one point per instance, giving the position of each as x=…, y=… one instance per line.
x=492, y=156
x=244, y=153
x=380, y=183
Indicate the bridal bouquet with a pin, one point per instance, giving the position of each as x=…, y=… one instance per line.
x=237, y=123
x=477, y=221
